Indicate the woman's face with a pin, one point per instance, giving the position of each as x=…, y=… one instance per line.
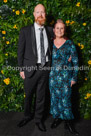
x=59, y=30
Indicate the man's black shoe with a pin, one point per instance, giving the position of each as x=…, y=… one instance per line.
x=55, y=123
x=24, y=122
x=41, y=126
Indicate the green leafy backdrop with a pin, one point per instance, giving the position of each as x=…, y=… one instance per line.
x=15, y=14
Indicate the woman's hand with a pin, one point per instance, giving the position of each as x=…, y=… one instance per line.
x=72, y=83
x=69, y=59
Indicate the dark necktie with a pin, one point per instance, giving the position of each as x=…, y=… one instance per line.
x=43, y=57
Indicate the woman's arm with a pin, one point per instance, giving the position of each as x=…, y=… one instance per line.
x=74, y=57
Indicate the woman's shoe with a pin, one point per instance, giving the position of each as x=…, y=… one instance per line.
x=69, y=126
x=55, y=123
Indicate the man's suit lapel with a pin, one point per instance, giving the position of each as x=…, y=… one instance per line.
x=33, y=40
x=49, y=40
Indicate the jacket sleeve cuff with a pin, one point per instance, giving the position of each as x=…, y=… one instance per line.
x=21, y=69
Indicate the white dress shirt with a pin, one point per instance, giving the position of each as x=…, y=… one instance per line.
x=37, y=33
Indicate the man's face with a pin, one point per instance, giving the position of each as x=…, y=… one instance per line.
x=39, y=15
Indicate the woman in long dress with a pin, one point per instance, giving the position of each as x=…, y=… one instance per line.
x=62, y=76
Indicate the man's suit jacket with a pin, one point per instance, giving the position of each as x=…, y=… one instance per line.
x=27, y=48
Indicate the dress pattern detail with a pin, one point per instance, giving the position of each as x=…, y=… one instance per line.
x=61, y=74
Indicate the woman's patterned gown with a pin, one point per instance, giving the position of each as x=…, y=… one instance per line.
x=61, y=74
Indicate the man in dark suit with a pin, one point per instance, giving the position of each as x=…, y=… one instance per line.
x=34, y=54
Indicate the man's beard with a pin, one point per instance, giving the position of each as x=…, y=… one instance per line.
x=40, y=20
